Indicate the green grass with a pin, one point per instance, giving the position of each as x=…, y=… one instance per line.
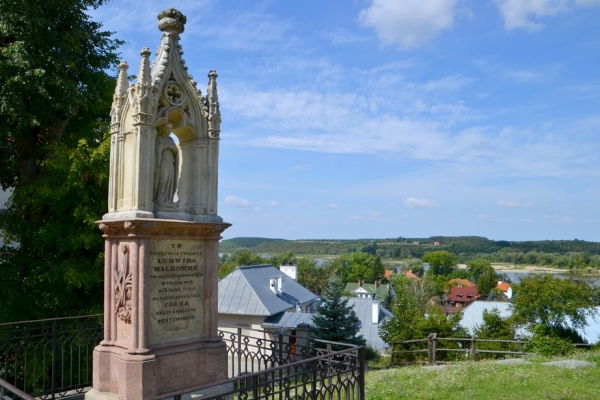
x=488, y=380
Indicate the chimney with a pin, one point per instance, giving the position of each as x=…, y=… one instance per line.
x=377, y=283
x=273, y=285
x=290, y=270
x=280, y=285
x=360, y=282
x=375, y=312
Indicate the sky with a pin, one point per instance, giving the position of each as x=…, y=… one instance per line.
x=386, y=118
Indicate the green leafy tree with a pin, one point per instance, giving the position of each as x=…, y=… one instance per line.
x=478, y=266
x=54, y=103
x=486, y=282
x=496, y=327
x=356, y=266
x=334, y=320
x=441, y=262
x=552, y=302
x=416, y=266
x=239, y=258
x=312, y=276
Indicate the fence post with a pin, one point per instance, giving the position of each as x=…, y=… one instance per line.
x=361, y=374
x=473, y=351
x=429, y=349
x=53, y=373
x=255, y=384
x=314, y=380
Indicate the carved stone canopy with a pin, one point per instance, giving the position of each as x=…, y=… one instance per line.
x=164, y=137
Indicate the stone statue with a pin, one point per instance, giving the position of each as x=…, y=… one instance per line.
x=165, y=180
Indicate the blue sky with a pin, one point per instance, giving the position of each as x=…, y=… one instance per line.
x=386, y=118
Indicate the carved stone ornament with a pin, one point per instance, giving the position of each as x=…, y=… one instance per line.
x=123, y=286
x=165, y=151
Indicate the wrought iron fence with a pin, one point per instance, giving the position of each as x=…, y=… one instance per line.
x=329, y=375
x=49, y=358
x=53, y=358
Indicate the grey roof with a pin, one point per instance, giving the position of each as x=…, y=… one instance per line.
x=246, y=291
x=287, y=320
x=364, y=312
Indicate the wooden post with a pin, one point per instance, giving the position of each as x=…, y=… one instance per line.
x=431, y=342
x=473, y=351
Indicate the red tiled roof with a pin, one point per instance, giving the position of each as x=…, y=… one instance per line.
x=387, y=273
x=462, y=282
x=504, y=286
x=411, y=275
x=463, y=294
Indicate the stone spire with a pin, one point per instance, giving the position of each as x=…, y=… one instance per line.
x=212, y=98
x=119, y=96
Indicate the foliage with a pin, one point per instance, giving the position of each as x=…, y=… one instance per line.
x=494, y=327
x=478, y=266
x=547, y=343
x=441, y=262
x=54, y=104
x=486, y=282
x=567, y=254
x=312, y=276
x=416, y=266
x=552, y=302
x=355, y=266
x=334, y=320
x=413, y=315
x=58, y=268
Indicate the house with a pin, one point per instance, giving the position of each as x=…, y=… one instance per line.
x=371, y=291
x=505, y=288
x=411, y=275
x=251, y=295
x=388, y=273
x=461, y=282
x=462, y=296
x=472, y=315
x=370, y=315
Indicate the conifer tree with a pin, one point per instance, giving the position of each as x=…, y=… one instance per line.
x=334, y=320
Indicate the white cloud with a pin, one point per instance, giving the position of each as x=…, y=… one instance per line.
x=513, y=204
x=523, y=13
x=275, y=204
x=447, y=83
x=411, y=202
x=342, y=36
x=333, y=205
x=408, y=23
x=238, y=202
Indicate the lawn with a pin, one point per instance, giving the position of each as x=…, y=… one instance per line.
x=488, y=380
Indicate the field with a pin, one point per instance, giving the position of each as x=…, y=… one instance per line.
x=488, y=380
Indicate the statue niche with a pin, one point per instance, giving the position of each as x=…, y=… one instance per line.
x=165, y=177
x=151, y=176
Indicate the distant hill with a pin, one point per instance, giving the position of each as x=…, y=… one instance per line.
x=400, y=247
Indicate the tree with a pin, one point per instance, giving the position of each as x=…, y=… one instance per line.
x=54, y=103
x=441, y=262
x=478, y=266
x=416, y=266
x=486, y=282
x=312, y=276
x=356, y=266
x=334, y=320
x=552, y=302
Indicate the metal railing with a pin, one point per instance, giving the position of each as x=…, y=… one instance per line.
x=49, y=358
x=53, y=358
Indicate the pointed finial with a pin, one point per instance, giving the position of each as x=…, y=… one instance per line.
x=171, y=20
x=144, y=72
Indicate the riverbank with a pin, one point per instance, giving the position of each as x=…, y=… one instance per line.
x=537, y=269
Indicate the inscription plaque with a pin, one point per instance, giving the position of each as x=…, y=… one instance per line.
x=176, y=290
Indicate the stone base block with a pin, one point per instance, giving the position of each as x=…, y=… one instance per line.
x=157, y=373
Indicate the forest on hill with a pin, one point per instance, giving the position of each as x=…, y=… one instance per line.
x=559, y=253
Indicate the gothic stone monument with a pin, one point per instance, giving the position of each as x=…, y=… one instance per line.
x=161, y=231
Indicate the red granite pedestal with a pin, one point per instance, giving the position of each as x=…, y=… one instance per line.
x=160, y=309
